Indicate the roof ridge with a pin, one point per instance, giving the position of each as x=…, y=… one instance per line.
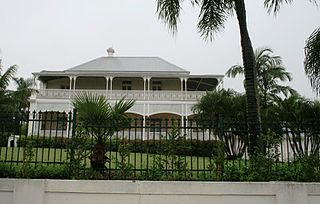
x=129, y=57
x=127, y=63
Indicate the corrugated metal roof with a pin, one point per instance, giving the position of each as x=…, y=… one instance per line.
x=127, y=64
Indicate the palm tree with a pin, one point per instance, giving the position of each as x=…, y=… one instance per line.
x=212, y=17
x=5, y=78
x=312, y=60
x=230, y=106
x=24, y=90
x=270, y=71
x=101, y=120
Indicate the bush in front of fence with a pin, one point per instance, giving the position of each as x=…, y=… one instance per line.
x=295, y=171
x=40, y=172
x=43, y=142
x=191, y=147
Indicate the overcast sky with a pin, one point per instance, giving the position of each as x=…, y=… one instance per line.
x=59, y=34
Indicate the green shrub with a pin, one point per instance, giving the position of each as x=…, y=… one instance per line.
x=52, y=172
x=307, y=168
x=43, y=142
x=7, y=171
x=187, y=147
x=40, y=172
x=234, y=173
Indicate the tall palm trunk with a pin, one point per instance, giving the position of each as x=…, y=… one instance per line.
x=253, y=110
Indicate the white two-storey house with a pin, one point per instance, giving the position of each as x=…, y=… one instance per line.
x=161, y=89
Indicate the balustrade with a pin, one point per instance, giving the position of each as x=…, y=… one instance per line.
x=118, y=94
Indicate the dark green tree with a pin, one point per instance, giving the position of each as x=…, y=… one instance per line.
x=223, y=112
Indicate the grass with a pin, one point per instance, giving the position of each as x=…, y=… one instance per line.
x=138, y=160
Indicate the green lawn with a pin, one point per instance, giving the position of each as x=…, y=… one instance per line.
x=138, y=160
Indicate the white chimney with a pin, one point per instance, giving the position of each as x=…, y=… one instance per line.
x=110, y=51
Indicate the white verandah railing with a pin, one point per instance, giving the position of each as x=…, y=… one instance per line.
x=118, y=94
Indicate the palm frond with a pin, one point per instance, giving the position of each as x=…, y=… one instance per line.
x=122, y=106
x=312, y=60
x=285, y=90
x=234, y=71
x=212, y=17
x=169, y=12
x=7, y=76
x=279, y=72
x=274, y=5
x=92, y=109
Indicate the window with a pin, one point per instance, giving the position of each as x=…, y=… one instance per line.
x=156, y=85
x=126, y=85
x=53, y=121
x=155, y=125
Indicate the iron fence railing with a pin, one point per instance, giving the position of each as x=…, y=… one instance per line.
x=186, y=148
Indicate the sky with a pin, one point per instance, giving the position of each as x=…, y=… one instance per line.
x=57, y=35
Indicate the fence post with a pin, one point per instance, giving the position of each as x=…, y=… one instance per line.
x=220, y=127
x=73, y=132
x=74, y=122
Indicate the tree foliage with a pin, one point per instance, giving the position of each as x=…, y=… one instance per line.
x=226, y=103
x=312, y=60
x=224, y=113
x=25, y=87
x=5, y=78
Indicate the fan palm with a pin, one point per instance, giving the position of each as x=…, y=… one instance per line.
x=312, y=60
x=212, y=18
x=270, y=71
x=101, y=119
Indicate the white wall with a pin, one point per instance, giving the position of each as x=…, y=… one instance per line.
x=15, y=191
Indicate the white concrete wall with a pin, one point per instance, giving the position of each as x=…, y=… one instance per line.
x=15, y=191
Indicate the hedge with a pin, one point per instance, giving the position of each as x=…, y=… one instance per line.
x=181, y=147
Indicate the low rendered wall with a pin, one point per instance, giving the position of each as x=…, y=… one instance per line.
x=23, y=191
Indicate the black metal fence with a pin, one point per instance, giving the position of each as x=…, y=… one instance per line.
x=152, y=148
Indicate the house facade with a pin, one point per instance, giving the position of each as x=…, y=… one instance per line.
x=161, y=89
